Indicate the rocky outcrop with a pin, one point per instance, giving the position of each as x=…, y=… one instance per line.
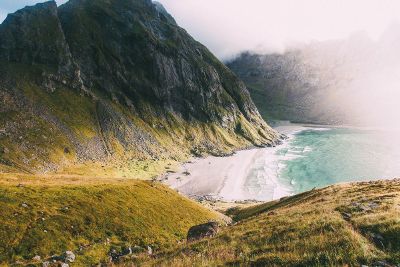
x=201, y=231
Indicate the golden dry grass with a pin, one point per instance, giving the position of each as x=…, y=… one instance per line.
x=46, y=217
x=341, y=225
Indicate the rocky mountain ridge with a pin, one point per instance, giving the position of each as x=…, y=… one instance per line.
x=90, y=80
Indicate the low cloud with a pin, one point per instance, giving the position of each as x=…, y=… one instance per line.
x=228, y=27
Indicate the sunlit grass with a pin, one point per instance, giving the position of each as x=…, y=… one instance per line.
x=305, y=230
x=49, y=219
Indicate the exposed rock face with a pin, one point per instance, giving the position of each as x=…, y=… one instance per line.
x=111, y=76
x=33, y=35
x=139, y=55
x=202, y=231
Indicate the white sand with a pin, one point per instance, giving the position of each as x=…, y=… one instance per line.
x=247, y=175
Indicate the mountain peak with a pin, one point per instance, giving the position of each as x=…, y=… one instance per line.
x=146, y=82
x=33, y=35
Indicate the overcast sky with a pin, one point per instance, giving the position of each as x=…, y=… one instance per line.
x=230, y=26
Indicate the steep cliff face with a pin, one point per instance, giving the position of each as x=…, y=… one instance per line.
x=112, y=80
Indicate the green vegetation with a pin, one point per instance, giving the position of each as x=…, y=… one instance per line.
x=341, y=225
x=49, y=219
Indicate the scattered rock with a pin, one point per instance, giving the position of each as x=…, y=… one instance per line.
x=20, y=185
x=203, y=230
x=381, y=264
x=63, y=264
x=149, y=250
x=364, y=207
x=114, y=255
x=346, y=216
x=36, y=258
x=64, y=209
x=56, y=258
x=126, y=251
x=68, y=256
x=24, y=205
x=46, y=264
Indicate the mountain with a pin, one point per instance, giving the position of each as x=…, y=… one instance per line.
x=115, y=83
x=330, y=82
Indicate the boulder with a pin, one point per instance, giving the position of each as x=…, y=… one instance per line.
x=126, y=251
x=202, y=231
x=69, y=256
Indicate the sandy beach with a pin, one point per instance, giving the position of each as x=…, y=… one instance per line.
x=247, y=175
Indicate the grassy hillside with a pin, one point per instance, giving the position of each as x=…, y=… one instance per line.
x=65, y=131
x=341, y=225
x=90, y=218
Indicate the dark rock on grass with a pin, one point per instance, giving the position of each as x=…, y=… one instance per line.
x=346, y=216
x=114, y=254
x=201, y=231
x=381, y=263
x=126, y=251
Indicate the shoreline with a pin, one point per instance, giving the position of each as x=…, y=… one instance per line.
x=247, y=175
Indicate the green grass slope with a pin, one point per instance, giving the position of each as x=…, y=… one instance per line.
x=90, y=218
x=341, y=225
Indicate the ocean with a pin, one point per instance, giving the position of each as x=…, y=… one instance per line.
x=317, y=157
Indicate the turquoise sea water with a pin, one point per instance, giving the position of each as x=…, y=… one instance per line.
x=320, y=157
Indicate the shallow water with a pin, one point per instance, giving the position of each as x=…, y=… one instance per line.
x=320, y=157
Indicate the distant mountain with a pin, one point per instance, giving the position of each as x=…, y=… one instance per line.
x=113, y=81
x=332, y=82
